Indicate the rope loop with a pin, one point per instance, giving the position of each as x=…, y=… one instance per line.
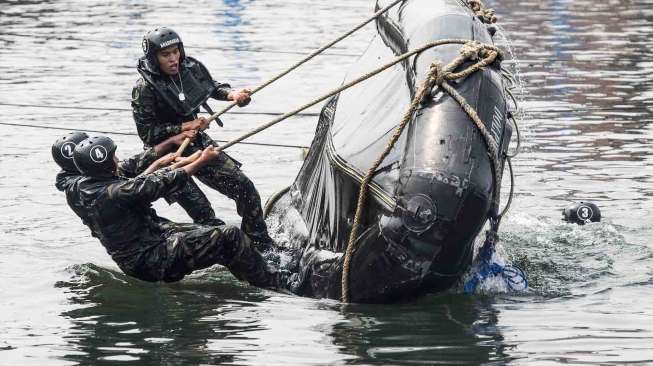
x=437, y=73
x=471, y=50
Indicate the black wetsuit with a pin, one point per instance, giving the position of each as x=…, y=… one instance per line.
x=117, y=211
x=157, y=120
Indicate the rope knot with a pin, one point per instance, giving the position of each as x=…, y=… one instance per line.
x=489, y=16
x=475, y=5
x=485, y=15
x=485, y=53
x=471, y=50
x=437, y=74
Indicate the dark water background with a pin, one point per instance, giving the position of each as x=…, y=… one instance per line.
x=587, y=94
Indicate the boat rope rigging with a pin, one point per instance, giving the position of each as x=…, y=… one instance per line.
x=439, y=75
x=295, y=66
x=117, y=109
x=59, y=128
x=486, y=15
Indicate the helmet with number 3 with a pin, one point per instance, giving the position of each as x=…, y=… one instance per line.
x=63, y=148
x=94, y=156
x=582, y=213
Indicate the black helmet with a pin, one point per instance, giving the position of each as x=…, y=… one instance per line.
x=63, y=148
x=158, y=39
x=94, y=156
x=582, y=213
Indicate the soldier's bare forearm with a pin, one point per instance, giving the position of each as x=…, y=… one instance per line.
x=183, y=161
x=172, y=142
x=207, y=156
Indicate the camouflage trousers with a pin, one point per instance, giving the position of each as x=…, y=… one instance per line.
x=226, y=177
x=195, y=203
x=185, y=248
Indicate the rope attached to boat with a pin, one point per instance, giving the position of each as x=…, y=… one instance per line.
x=356, y=81
x=438, y=75
x=213, y=117
x=486, y=15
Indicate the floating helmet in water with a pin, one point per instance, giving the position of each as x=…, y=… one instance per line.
x=582, y=213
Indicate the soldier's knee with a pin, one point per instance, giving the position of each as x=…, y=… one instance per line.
x=232, y=243
x=231, y=233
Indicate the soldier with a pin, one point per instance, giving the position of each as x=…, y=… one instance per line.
x=118, y=212
x=165, y=102
x=62, y=153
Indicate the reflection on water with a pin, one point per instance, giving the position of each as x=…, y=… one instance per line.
x=120, y=319
x=210, y=319
x=447, y=329
x=589, y=90
x=587, y=99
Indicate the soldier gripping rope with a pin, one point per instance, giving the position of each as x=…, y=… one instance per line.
x=166, y=101
x=118, y=212
x=154, y=158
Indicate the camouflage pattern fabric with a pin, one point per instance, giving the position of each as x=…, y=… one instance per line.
x=156, y=121
x=118, y=211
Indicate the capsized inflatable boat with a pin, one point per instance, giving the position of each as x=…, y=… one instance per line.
x=431, y=195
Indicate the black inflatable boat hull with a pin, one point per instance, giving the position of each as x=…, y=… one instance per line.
x=430, y=197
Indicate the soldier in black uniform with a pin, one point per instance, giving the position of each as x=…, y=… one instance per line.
x=165, y=102
x=153, y=158
x=118, y=212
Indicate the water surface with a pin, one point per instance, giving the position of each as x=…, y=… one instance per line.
x=586, y=97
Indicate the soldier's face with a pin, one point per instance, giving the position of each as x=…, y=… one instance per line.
x=169, y=60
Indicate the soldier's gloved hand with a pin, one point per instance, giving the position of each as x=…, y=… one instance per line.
x=241, y=97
